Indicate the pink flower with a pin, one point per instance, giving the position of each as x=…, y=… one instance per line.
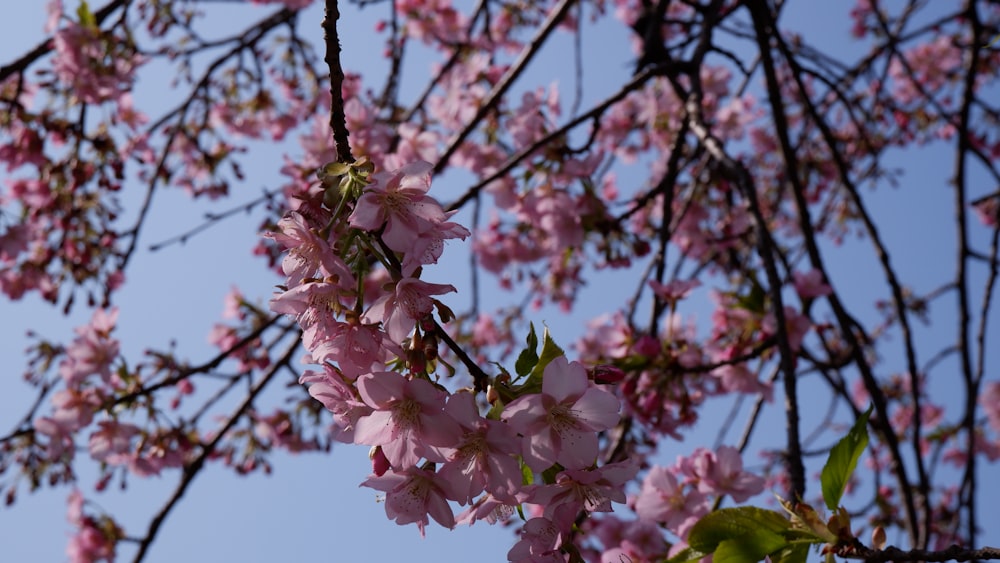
x=592, y=490
x=427, y=248
x=411, y=495
x=409, y=302
x=989, y=399
x=407, y=418
x=307, y=253
x=674, y=291
x=560, y=425
x=356, y=348
x=92, y=351
x=810, y=284
x=339, y=398
x=93, y=541
x=490, y=507
x=663, y=499
x=721, y=473
x=399, y=200
x=112, y=443
x=483, y=458
x=315, y=303
x=539, y=543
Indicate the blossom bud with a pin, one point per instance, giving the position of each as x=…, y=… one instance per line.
x=647, y=346
x=380, y=463
x=878, y=538
x=607, y=374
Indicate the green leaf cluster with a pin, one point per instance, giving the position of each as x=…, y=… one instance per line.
x=531, y=363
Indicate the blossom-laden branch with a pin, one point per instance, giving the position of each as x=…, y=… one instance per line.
x=717, y=203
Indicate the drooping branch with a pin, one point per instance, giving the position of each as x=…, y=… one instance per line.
x=192, y=469
x=494, y=97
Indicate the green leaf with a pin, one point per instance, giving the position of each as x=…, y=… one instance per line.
x=527, y=475
x=85, y=16
x=748, y=548
x=687, y=555
x=528, y=357
x=550, y=351
x=842, y=461
x=792, y=553
x=734, y=523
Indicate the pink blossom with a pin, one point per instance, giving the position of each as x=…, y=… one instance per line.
x=673, y=291
x=989, y=400
x=93, y=351
x=83, y=62
x=92, y=541
x=409, y=302
x=407, y=418
x=411, y=495
x=427, y=248
x=356, y=348
x=810, y=284
x=399, y=201
x=307, y=252
x=112, y=442
x=315, y=303
x=490, y=507
x=484, y=456
x=721, y=473
x=539, y=543
x=560, y=425
x=338, y=397
x=592, y=490
x=663, y=499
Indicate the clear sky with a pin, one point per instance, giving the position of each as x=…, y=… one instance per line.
x=311, y=507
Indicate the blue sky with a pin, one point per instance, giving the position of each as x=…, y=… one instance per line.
x=311, y=506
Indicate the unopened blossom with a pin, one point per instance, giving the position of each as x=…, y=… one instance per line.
x=560, y=424
x=407, y=419
x=413, y=494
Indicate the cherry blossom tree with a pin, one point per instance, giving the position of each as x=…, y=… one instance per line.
x=737, y=168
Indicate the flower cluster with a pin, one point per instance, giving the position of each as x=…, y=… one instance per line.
x=353, y=282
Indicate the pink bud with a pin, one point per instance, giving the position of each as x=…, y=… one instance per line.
x=380, y=464
x=647, y=346
x=606, y=374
